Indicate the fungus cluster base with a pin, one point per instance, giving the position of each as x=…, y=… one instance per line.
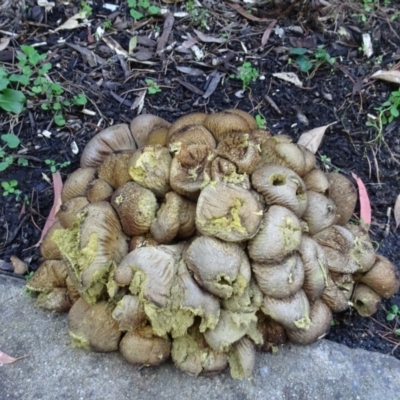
x=202, y=241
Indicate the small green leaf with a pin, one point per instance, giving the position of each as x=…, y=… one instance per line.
x=136, y=14
x=57, y=106
x=12, y=100
x=11, y=140
x=304, y=63
x=36, y=89
x=59, y=120
x=44, y=106
x=45, y=68
x=390, y=317
x=4, y=165
x=298, y=51
x=22, y=79
x=23, y=161
x=3, y=83
x=154, y=10
x=80, y=99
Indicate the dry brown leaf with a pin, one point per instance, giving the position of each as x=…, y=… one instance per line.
x=245, y=14
x=396, y=211
x=267, y=32
x=6, y=359
x=313, y=138
x=208, y=38
x=114, y=45
x=389, y=76
x=289, y=77
x=73, y=23
x=4, y=43
x=139, y=100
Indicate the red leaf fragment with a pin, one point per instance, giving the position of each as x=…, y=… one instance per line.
x=57, y=187
x=6, y=359
x=365, y=205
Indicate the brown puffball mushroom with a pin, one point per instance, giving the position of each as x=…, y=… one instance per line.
x=365, y=300
x=315, y=268
x=157, y=136
x=292, y=312
x=228, y=212
x=223, y=170
x=279, y=235
x=57, y=300
x=282, y=279
x=142, y=126
x=190, y=170
x=344, y=194
x=272, y=332
x=114, y=168
x=77, y=183
x=129, y=313
x=149, y=167
x=66, y=213
x=49, y=249
x=221, y=268
x=191, y=135
x=243, y=149
x=195, y=118
x=106, y=142
x=280, y=150
x=191, y=354
x=92, y=327
x=175, y=218
x=142, y=241
x=49, y=275
x=321, y=318
x=335, y=297
x=143, y=347
x=91, y=247
x=281, y=186
x=242, y=358
x=225, y=122
x=382, y=277
x=317, y=181
x=363, y=252
x=320, y=212
x=99, y=190
x=232, y=327
x=136, y=207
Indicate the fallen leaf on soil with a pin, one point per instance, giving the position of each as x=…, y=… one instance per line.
x=365, y=205
x=191, y=71
x=267, y=32
x=289, y=77
x=73, y=23
x=389, y=76
x=114, y=45
x=139, y=101
x=397, y=211
x=48, y=5
x=4, y=43
x=367, y=45
x=245, y=14
x=313, y=138
x=6, y=359
x=208, y=38
x=57, y=187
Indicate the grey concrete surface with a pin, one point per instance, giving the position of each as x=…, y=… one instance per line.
x=54, y=370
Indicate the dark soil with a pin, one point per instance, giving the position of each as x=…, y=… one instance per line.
x=343, y=93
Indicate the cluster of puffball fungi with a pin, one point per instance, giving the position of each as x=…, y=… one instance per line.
x=202, y=241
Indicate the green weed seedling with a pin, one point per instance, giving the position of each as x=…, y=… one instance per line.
x=10, y=188
x=393, y=314
x=387, y=112
x=11, y=142
x=247, y=74
x=152, y=87
x=199, y=15
x=55, y=166
x=306, y=62
x=261, y=122
x=139, y=9
x=11, y=100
